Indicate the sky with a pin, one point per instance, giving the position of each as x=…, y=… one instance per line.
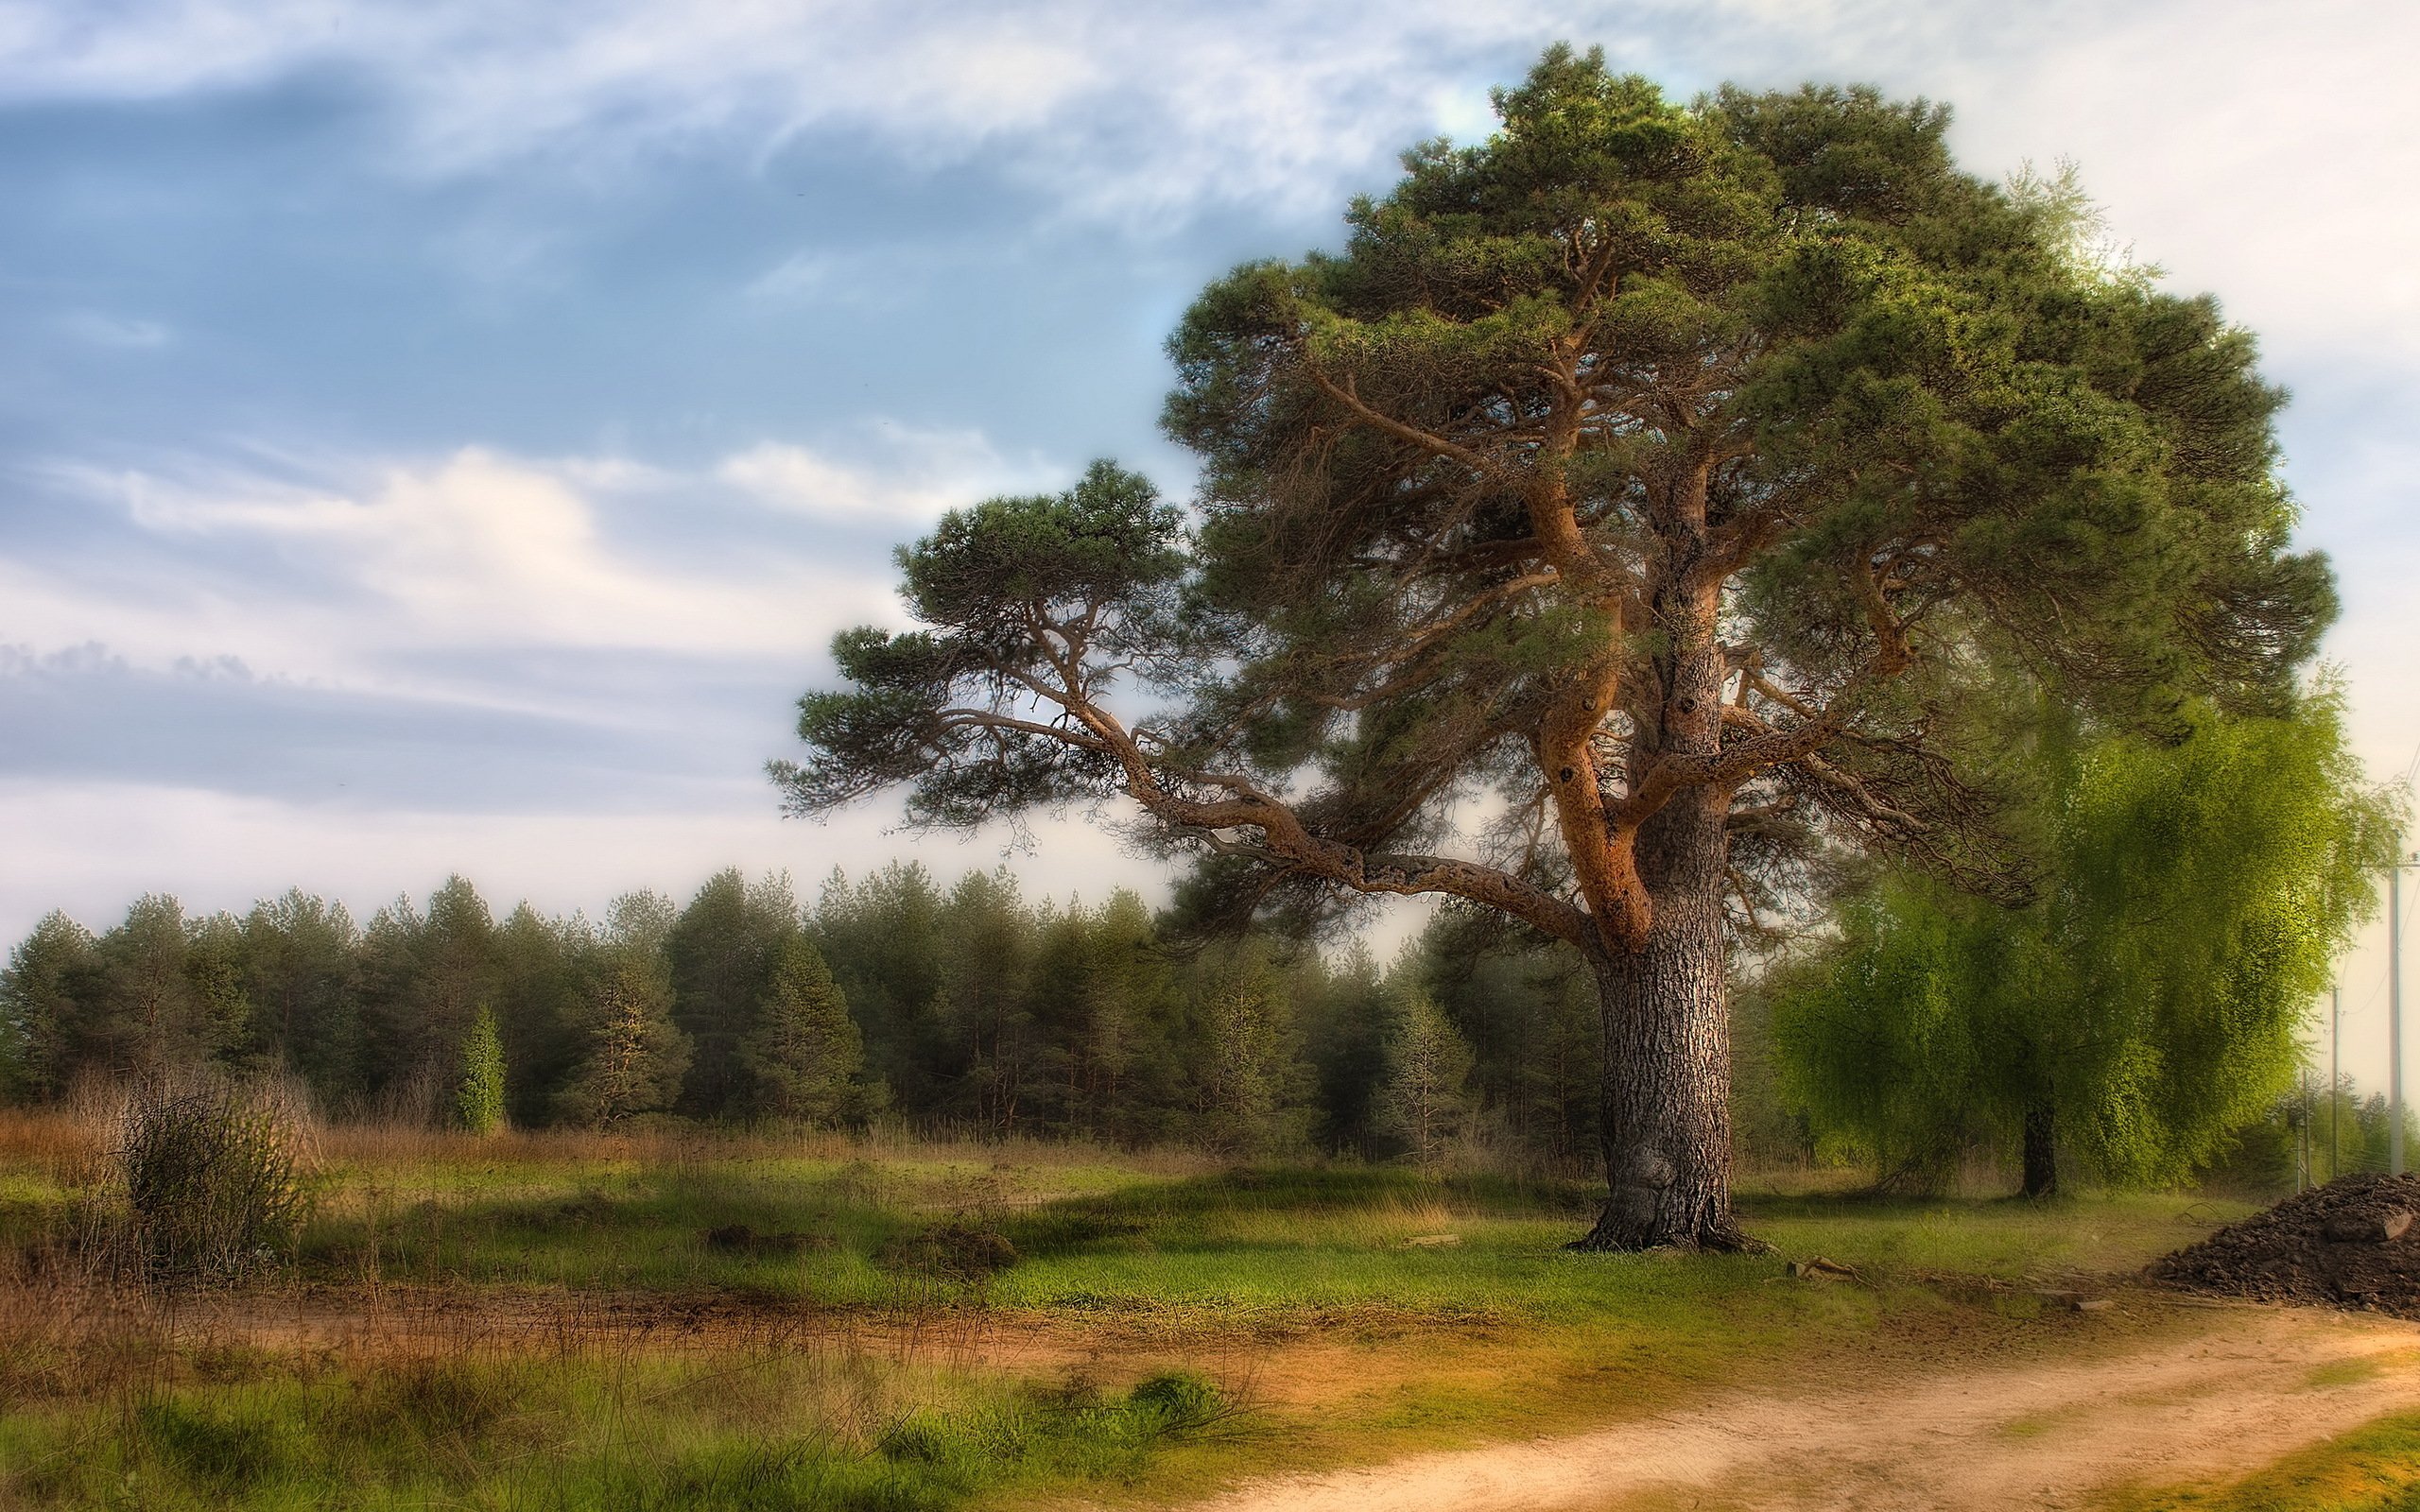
x=443, y=435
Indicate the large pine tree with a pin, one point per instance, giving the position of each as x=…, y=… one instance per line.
x=1647, y=472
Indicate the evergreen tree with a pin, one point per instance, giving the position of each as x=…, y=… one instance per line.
x=1345, y=1014
x=1527, y=1010
x=722, y=951
x=545, y=974
x=1659, y=468
x=425, y=977
x=218, y=973
x=635, y=1056
x=801, y=1059
x=39, y=1011
x=1249, y=1084
x=300, y=957
x=983, y=1012
x=140, y=1009
x=1423, y=1102
x=883, y=941
x=1103, y=1007
x=478, y=1094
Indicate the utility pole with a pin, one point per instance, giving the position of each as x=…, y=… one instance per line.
x=2334, y=1088
x=2394, y=866
x=2305, y=1176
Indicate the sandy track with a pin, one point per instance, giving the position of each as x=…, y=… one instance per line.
x=2257, y=1384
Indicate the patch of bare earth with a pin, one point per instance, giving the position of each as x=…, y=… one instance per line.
x=2255, y=1385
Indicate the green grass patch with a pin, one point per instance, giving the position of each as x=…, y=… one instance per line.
x=768, y=1432
x=2346, y=1372
x=2375, y=1469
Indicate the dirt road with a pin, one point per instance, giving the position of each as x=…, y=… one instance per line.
x=2257, y=1384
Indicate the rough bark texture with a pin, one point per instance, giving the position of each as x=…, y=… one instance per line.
x=1667, y=1115
x=2041, y=1154
x=1667, y=1044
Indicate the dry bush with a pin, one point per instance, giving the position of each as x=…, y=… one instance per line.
x=212, y=1179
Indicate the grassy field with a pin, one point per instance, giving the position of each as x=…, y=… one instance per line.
x=671, y=1322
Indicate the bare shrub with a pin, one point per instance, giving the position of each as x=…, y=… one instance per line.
x=215, y=1180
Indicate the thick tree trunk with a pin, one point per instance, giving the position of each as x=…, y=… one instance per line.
x=1667, y=1051
x=2041, y=1153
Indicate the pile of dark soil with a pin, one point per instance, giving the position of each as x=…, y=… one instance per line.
x=2352, y=1243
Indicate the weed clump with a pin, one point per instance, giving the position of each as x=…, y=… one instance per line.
x=1181, y=1400
x=215, y=1179
x=951, y=1250
x=229, y=1450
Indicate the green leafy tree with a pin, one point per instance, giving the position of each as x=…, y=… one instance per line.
x=801, y=1059
x=1655, y=468
x=2145, y=1007
x=478, y=1094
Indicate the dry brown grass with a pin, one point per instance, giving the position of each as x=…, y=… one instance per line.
x=64, y=1143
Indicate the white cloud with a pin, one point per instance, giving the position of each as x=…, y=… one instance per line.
x=481, y=580
x=474, y=549
x=2260, y=151
x=923, y=473
x=1124, y=110
x=2254, y=148
x=860, y=278
x=809, y=275
x=2257, y=149
x=124, y=331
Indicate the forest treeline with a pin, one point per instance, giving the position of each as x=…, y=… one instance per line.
x=968, y=1007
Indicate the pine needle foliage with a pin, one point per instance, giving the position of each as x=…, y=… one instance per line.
x=635, y=1054
x=801, y=1060
x=1650, y=475
x=1423, y=1101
